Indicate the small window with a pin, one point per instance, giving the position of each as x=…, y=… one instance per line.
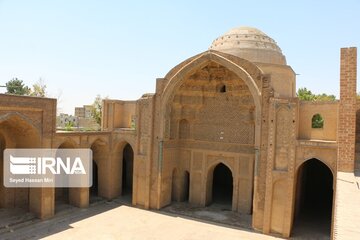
x=221, y=88
x=317, y=121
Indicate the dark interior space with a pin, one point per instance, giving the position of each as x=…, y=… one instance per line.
x=94, y=187
x=186, y=186
x=62, y=195
x=2, y=148
x=127, y=170
x=222, y=188
x=61, y=199
x=314, y=196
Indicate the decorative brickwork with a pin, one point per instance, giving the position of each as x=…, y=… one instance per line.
x=213, y=115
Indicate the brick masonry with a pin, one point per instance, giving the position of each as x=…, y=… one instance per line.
x=347, y=110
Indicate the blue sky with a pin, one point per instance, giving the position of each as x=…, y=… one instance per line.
x=119, y=48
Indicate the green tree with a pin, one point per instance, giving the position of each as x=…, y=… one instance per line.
x=39, y=89
x=97, y=109
x=325, y=97
x=317, y=121
x=69, y=126
x=306, y=95
x=17, y=87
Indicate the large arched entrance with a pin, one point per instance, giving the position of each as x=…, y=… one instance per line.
x=222, y=186
x=314, y=199
x=210, y=108
x=127, y=172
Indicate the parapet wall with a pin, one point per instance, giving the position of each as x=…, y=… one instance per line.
x=118, y=114
x=328, y=111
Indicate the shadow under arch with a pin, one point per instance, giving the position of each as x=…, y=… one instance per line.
x=20, y=131
x=313, y=203
x=219, y=185
x=17, y=131
x=21, y=120
x=201, y=60
x=64, y=196
x=100, y=154
x=2, y=189
x=180, y=189
x=124, y=170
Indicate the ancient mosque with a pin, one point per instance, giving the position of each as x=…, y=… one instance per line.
x=222, y=126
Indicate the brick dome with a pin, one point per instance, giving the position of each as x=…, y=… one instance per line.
x=251, y=44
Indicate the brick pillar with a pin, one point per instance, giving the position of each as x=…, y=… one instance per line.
x=347, y=110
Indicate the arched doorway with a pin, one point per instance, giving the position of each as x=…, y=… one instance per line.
x=62, y=195
x=180, y=186
x=313, y=200
x=222, y=186
x=127, y=172
x=16, y=131
x=99, y=154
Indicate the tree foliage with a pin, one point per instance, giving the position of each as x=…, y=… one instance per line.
x=39, y=89
x=69, y=126
x=97, y=109
x=317, y=121
x=17, y=87
x=306, y=95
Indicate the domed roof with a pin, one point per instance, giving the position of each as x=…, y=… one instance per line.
x=251, y=44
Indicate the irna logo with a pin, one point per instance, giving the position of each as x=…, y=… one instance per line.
x=45, y=165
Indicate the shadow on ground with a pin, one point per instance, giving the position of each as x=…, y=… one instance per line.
x=215, y=213
x=19, y=224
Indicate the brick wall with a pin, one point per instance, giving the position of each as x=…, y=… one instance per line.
x=347, y=110
x=357, y=137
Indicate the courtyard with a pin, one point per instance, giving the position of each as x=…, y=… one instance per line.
x=116, y=220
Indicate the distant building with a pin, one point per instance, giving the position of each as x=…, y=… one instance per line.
x=86, y=121
x=84, y=112
x=80, y=112
x=64, y=119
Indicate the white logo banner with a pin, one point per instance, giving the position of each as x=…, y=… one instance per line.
x=47, y=167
